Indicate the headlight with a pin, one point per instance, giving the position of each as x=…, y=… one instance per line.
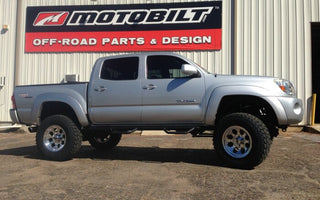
x=286, y=86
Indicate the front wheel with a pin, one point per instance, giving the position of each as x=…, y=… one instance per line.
x=58, y=138
x=241, y=140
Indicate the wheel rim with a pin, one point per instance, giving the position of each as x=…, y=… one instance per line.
x=54, y=138
x=237, y=142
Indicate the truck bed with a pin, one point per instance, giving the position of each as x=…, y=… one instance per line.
x=27, y=96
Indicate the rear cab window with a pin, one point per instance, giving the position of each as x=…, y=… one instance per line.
x=119, y=69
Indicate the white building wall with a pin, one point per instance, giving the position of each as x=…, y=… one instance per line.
x=273, y=38
x=7, y=56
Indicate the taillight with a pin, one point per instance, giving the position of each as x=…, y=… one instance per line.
x=14, y=106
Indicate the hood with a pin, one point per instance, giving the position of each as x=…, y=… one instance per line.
x=262, y=84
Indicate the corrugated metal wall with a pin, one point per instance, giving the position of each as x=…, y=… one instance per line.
x=34, y=68
x=7, y=56
x=273, y=38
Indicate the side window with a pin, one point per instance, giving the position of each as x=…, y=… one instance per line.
x=162, y=67
x=120, y=69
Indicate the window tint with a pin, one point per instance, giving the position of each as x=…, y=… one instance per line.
x=162, y=67
x=120, y=69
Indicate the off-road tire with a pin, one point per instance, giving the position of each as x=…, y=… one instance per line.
x=241, y=140
x=105, y=143
x=58, y=138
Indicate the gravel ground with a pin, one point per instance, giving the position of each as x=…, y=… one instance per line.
x=159, y=167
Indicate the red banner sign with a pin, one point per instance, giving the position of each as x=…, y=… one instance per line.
x=143, y=27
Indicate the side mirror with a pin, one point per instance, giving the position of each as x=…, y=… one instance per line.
x=189, y=70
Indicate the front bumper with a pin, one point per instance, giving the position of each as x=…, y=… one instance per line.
x=293, y=108
x=14, y=116
x=289, y=110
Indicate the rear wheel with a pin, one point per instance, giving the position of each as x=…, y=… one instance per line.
x=242, y=140
x=58, y=138
x=108, y=141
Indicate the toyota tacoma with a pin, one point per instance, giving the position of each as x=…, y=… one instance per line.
x=158, y=91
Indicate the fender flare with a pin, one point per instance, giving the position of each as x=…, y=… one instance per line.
x=73, y=99
x=243, y=90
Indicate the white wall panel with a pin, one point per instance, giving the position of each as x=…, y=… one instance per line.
x=7, y=56
x=273, y=38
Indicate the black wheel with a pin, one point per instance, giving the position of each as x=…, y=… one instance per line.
x=108, y=141
x=58, y=138
x=241, y=140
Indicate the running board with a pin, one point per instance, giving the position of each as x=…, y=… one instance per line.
x=178, y=132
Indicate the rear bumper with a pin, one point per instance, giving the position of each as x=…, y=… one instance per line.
x=14, y=116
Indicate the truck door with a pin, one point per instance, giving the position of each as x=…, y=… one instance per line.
x=115, y=92
x=169, y=96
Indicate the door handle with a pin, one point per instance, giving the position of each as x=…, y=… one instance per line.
x=100, y=89
x=149, y=87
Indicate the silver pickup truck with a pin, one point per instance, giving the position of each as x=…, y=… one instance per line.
x=158, y=91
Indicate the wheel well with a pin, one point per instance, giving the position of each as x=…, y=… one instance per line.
x=54, y=108
x=252, y=105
